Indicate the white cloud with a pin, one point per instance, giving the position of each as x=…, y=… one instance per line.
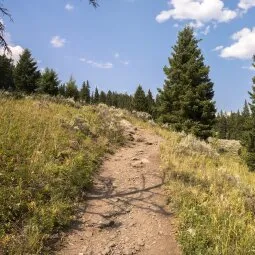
x=83, y=59
x=57, y=41
x=218, y=48
x=243, y=47
x=16, y=52
x=246, y=4
x=116, y=55
x=251, y=68
x=206, y=30
x=106, y=65
x=124, y=62
x=69, y=7
x=197, y=11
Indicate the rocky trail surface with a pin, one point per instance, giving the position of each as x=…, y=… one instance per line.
x=126, y=211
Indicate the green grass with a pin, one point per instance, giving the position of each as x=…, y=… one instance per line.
x=48, y=152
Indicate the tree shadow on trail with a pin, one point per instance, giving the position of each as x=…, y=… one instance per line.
x=143, y=197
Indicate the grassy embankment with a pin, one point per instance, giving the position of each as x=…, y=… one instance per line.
x=211, y=193
x=48, y=152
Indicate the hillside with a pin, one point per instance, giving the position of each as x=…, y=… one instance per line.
x=48, y=152
x=57, y=169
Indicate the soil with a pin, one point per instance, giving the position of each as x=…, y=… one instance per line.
x=126, y=211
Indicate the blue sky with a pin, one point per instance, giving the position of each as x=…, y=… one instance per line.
x=126, y=42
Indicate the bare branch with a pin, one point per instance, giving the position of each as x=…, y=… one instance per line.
x=3, y=43
x=94, y=3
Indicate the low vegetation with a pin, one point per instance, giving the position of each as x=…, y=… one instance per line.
x=48, y=152
x=213, y=195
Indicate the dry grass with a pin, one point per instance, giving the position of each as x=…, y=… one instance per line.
x=214, y=197
x=48, y=152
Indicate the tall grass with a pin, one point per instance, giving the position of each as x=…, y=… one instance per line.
x=48, y=152
x=213, y=195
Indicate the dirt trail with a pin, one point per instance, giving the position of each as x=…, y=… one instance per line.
x=126, y=212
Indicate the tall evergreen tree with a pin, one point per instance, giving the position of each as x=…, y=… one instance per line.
x=49, y=82
x=62, y=90
x=109, y=98
x=140, y=100
x=85, y=92
x=150, y=103
x=26, y=75
x=185, y=101
x=96, y=96
x=246, y=110
x=102, y=97
x=71, y=89
x=249, y=137
x=6, y=73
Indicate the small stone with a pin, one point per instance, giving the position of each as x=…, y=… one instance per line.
x=140, y=242
x=137, y=247
x=106, y=251
x=89, y=234
x=138, y=164
x=111, y=244
x=127, y=251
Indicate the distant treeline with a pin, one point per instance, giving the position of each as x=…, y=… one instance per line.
x=26, y=78
x=185, y=102
x=233, y=125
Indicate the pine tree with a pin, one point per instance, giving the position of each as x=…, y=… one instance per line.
x=102, y=97
x=85, y=92
x=150, y=103
x=140, y=100
x=26, y=75
x=222, y=126
x=6, y=73
x=246, y=110
x=62, y=90
x=71, y=89
x=109, y=98
x=185, y=101
x=249, y=136
x=92, y=99
x=96, y=96
x=49, y=82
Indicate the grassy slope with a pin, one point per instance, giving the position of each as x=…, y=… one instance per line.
x=48, y=152
x=213, y=195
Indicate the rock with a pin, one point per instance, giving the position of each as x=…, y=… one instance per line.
x=140, y=139
x=111, y=244
x=89, y=234
x=138, y=164
x=140, y=242
x=145, y=161
x=127, y=251
x=149, y=143
x=137, y=247
x=135, y=159
x=106, y=251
